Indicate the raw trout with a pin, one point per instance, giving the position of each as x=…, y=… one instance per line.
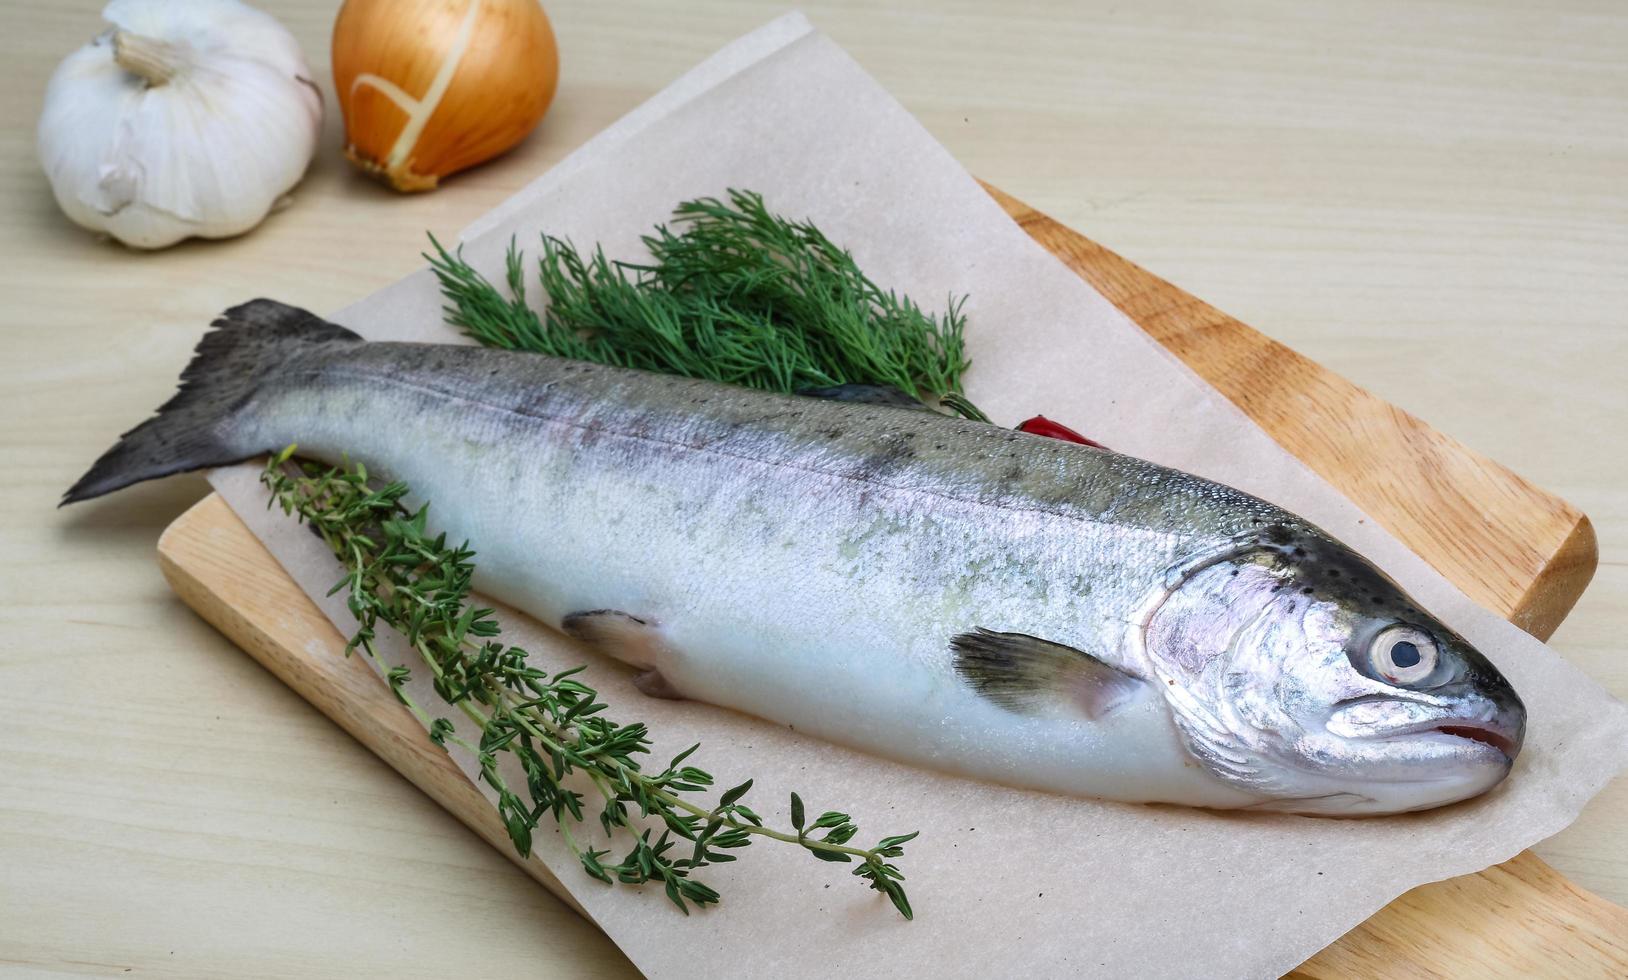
x=942, y=592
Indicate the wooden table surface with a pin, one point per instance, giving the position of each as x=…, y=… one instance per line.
x=1427, y=197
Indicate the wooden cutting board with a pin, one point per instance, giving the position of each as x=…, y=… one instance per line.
x=1509, y=545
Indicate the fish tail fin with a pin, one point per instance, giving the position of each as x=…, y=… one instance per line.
x=191, y=431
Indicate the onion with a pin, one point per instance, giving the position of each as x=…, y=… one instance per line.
x=431, y=87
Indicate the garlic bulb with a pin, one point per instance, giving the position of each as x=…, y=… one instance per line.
x=187, y=117
x=430, y=87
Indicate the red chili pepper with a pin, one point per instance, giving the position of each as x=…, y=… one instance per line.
x=1042, y=426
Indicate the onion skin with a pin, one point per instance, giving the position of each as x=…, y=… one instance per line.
x=432, y=87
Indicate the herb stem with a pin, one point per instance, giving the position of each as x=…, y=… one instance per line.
x=398, y=575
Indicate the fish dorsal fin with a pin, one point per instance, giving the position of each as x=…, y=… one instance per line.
x=867, y=395
x=1025, y=673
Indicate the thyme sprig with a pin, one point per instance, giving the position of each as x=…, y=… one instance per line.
x=732, y=293
x=572, y=756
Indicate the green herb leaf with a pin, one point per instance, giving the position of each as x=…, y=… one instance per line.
x=732, y=293
x=732, y=795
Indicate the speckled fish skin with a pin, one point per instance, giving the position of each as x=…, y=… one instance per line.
x=811, y=562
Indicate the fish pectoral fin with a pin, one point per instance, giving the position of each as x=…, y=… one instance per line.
x=1025, y=673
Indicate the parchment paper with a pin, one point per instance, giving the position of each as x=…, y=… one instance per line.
x=1005, y=883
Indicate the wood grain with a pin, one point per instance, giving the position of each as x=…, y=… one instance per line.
x=1511, y=919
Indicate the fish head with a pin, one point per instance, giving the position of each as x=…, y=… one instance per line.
x=1298, y=671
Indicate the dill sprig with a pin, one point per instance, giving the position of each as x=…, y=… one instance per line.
x=572, y=756
x=733, y=293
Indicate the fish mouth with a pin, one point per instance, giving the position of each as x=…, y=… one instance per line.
x=1485, y=735
x=1484, y=727
x=1490, y=736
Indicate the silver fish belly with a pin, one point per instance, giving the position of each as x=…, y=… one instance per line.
x=936, y=591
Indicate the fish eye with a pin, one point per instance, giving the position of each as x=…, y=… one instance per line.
x=1403, y=654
